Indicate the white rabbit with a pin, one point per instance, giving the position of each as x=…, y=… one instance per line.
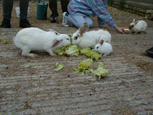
x=103, y=48
x=138, y=26
x=83, y=39
x=30, y=39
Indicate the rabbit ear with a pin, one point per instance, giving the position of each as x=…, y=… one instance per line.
x=56, y=42
x=84, y=27
x=97, y=40
x=101, y=42
x=135, y=22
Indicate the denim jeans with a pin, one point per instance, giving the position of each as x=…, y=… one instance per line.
x=79, y=20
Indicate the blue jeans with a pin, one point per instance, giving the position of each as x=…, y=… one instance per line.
x=79, y=20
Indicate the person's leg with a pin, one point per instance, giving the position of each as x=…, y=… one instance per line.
x=24, y=9
x=64, y=4
x=79, y=20
x=7, y=10
x=53, y=8
x=89, y=21
x=23, y=14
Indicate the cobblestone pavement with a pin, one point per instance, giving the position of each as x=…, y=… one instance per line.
x=30, y=86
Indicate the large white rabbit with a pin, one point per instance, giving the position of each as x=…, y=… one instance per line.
x=83, y=39
x=30, y=39
x=138, y=26
x=103, y=48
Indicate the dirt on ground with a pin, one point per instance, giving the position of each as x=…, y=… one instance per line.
x=31, y=86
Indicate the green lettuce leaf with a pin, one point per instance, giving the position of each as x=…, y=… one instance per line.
x=60, y=51
x=91, y=54
x=95, y=55
x=100, y=72
x=84, y=66
x=85, y=50
x=5, y=42
x=72, y=50
x=3, y=33
x=59, y=66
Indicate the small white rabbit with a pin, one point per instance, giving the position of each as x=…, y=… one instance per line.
x=30, y=39
x=83, y=39
x=138, y=26
x=103, y=48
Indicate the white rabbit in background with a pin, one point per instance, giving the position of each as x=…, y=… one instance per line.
x=31, y=39
x=138, y=26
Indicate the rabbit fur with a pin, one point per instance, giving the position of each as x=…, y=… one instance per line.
x=83, y=39
x=138, y=26
x=30, y=39
x=103, y=48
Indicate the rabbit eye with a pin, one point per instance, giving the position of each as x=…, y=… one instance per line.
x=56, y=33
x=68, y=39
x=76, y=37
x=97, y=47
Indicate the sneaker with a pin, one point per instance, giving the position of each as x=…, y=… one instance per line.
x=53, y=19
x=24, y=23
x=65, y=18
x=6, y=23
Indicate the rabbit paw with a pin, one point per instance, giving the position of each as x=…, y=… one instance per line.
x=51, y=53
x=30, y=55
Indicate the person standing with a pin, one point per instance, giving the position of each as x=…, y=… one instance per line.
x=7, y=10
x=53, y=8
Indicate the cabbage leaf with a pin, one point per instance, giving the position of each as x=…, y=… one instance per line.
x=91, y=54
x=101, y=72
x=72, y=50
x=59, y=66
x=84, y=66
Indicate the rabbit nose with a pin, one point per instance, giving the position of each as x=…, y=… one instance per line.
x=103, y=54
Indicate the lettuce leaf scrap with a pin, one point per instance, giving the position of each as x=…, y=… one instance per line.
x=101, y=72
x=59, y=66
x=91, y=54
x=5, y=42
x=84, y=66
x=60, y=51
x=3, y=34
